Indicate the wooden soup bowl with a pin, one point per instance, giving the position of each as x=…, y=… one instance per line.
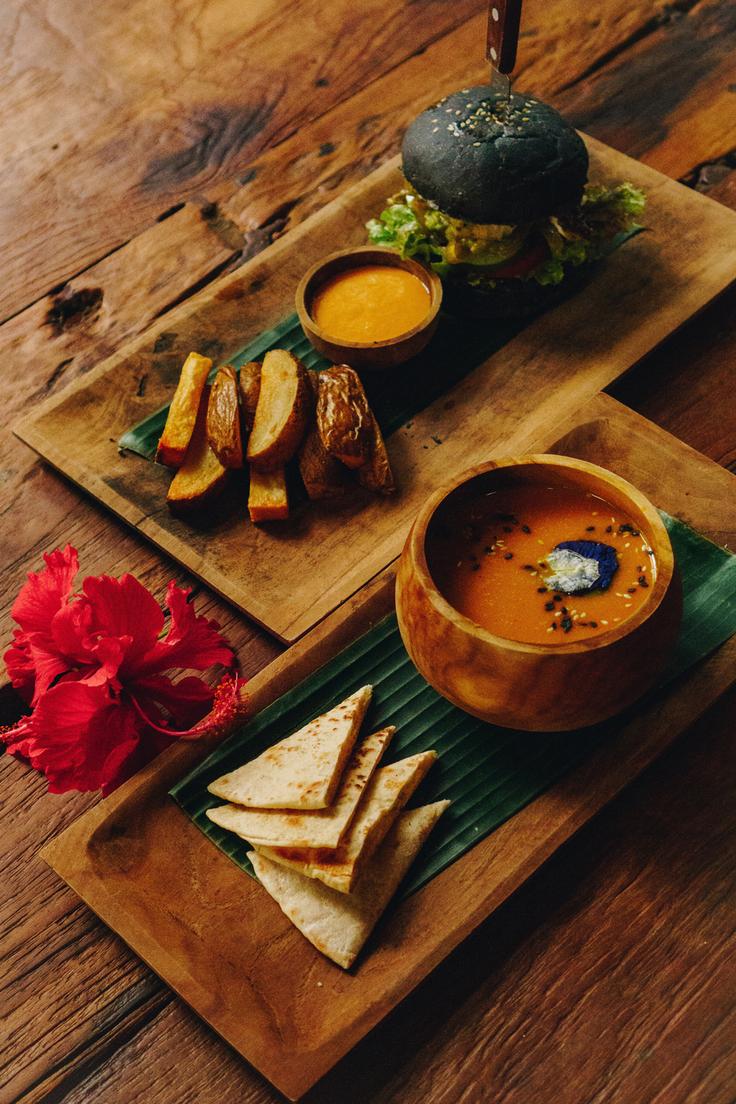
x=538, y=687
x=367, y=354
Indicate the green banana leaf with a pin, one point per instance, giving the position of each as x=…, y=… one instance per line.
x=489, y=773
x=458, y=347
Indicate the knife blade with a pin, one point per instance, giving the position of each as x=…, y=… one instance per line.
x=504, y=17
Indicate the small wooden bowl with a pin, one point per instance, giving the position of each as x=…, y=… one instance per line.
x=538, y=687
x=367, y=354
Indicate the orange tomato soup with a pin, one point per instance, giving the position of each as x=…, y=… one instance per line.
x=370, y=303
x=490, y=554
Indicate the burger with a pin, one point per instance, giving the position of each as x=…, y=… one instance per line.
x=496, y=200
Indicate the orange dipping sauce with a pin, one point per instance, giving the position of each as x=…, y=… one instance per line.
x=370, y=303
x=488, y=556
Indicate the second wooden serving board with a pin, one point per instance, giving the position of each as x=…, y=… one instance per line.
x=219, y=940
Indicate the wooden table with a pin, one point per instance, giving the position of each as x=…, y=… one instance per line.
x=150, y=147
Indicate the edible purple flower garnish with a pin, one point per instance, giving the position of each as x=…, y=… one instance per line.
x=581, y=566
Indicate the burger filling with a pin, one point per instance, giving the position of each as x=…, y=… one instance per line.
x=484, y=253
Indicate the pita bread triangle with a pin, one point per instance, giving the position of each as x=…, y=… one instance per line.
x=319, y=828
x=304, y=770
x=338, y=924
x=389, y=790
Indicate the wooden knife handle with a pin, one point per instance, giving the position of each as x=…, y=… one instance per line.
x=504, y=17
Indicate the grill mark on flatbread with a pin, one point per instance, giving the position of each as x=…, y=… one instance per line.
x=338, y=924
x=318, y=828
x=304, y=770
x=389, y=790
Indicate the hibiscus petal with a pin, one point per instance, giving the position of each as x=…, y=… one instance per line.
x=81, y=737
x=46, y=591
x=124, y=608
x=70, y=630
x=186, y=701
x=19, y=665
x=191, y=642
x=39, y=600
x=110, y=653
x=47, y=665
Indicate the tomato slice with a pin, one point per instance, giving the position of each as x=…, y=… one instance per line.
x=525, y=261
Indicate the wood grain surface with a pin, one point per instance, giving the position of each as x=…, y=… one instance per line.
x=610, y=976
x=158, y=882
x=647, y=289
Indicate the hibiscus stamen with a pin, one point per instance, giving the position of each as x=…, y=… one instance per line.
x=228, y=707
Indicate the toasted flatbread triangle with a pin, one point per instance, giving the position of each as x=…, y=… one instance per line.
x=389, y=790
x=304, y=770
x=319, y=828
x=338, y=924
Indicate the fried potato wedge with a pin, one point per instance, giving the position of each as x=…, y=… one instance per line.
x=223, y=419
x=201, y=477
x=376, y=474
x=267, y=498
x=343, y=416
x=282, y=412
x=182, y=416
x=249, y=383
x=323, y=476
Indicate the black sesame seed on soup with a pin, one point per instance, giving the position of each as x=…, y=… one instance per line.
x=567, y=566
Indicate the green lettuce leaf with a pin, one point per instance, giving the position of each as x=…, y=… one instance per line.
x=579, y=235
x=398, y=228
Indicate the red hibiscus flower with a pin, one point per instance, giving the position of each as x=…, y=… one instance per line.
x=94, y=668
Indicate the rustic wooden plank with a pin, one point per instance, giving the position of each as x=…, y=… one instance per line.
x=65, y=333
x=138, y=281
x=685, y=383
x=285, y=1033
x=673, y=122
x=556, y=363
x=134, y=108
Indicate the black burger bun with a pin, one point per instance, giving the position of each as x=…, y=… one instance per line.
x=484, y=159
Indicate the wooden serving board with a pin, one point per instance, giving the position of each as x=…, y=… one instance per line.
x=289, y=576
x=222, y=944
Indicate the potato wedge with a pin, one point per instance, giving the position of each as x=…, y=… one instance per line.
x=282, y=412
x=249, y=383
x=343, y=416
x=182, y=416
x=267, y=498
x=223, y=419
x=323, y=476
x=376, y=474
x=201, y=477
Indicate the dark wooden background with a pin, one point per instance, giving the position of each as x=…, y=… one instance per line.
x=149, y=146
